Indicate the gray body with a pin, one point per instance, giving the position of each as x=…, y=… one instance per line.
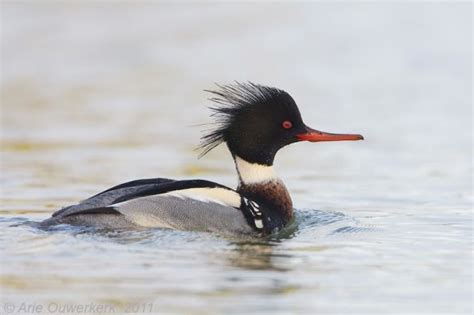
x=186, y=209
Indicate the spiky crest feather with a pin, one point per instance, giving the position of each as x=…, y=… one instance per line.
x=230, y=99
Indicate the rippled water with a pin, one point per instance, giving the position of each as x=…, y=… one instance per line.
x=95, y=94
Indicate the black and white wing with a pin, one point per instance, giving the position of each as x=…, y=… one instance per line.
x=196, y=205
x=111, y=195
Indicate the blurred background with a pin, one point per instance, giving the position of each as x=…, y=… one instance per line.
x=96, y=93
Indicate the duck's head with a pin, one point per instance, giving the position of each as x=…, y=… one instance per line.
x=256, y=121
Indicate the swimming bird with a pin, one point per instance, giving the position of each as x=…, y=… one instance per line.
x=254, y=121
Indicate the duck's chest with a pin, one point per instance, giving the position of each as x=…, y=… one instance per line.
x=269, y=204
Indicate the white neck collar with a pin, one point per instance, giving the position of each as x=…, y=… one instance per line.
x=252, y=173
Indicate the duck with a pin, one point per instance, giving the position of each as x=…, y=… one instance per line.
x=254, y=121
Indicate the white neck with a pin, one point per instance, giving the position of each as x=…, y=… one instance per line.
x=252, y=173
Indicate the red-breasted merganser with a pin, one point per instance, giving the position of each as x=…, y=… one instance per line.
x=254, y=121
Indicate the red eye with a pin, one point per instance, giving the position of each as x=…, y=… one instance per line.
x=287, y=124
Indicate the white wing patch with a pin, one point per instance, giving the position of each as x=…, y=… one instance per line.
x=221, y=196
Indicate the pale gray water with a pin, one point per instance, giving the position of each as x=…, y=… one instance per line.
x=94, y=94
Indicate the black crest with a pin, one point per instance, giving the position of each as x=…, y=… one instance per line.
x=233, y=99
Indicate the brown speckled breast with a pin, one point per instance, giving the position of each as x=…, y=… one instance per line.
x=273, y=194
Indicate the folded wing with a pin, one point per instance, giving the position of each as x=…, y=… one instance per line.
x=185, y=205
